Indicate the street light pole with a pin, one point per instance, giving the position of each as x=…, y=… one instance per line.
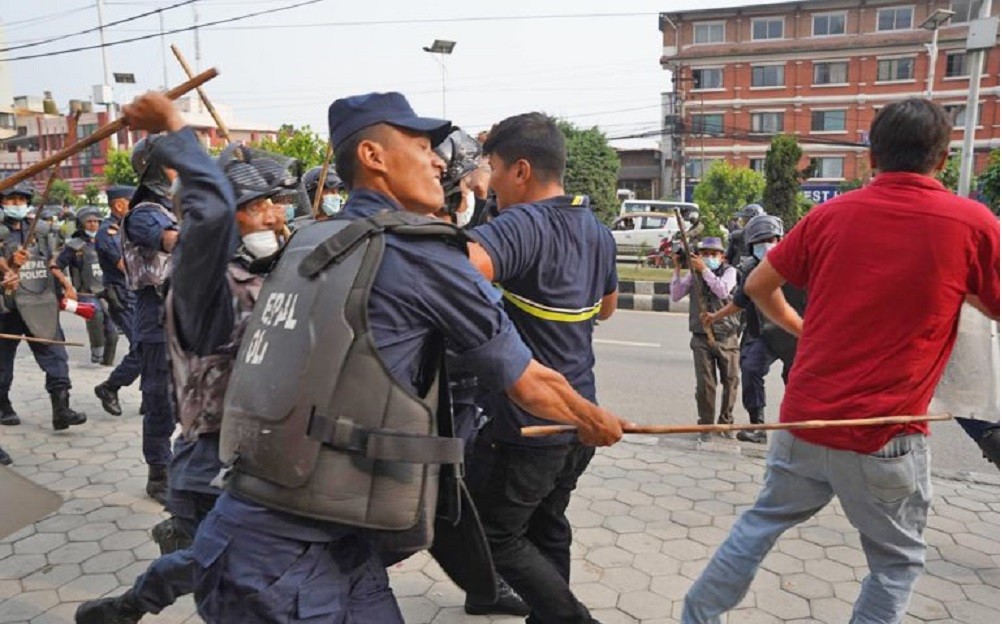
x=440, y=48
x=975, y=61
x=933, y=23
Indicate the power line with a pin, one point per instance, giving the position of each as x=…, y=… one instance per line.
x=47, y=18
x=96, y=28
x=168, y=32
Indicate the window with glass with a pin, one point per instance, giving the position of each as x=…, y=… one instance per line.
x=828, y=24
x=767, y=76
x=894, y=18
x=895, y=69
x=767, y=123
x=653, y=223
x=828, y=121
x=827, y=167
x=956, y=65
x=696, y=167
x=831, y=72
x=767, y=28
x=707, y=78
x=965, y=10
x=708, y=32
x=958, y=113
x=709, y=124
x=757, y=164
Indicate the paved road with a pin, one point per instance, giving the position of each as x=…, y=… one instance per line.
x=644, y=371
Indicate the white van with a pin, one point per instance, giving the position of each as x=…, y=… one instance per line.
x=631, y=206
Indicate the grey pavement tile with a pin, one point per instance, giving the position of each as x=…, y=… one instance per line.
x=410, y=583
x=625, y=580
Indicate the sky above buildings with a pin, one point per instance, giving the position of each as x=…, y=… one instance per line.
x=593, y=62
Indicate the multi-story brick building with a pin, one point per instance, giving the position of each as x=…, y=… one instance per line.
x=819, y=70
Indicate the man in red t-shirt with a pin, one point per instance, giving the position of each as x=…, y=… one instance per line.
x=888, y=268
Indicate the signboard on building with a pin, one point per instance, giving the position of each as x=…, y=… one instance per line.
x=817, y=193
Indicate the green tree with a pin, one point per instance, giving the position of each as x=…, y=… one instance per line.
x=782, y=180
x=303, y=144
x=950, y=174
x=850, y=185
x=118, y=169
x=724, y=190
x=61, y=191
x=988, y=182
x=90, y=192
x=592, y=168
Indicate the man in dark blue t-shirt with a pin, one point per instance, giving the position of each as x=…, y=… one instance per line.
x=556, y=266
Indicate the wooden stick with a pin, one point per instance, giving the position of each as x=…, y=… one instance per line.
x=696, y=284
x=100, y=134
x=545, y=430
x=71, y=135
x=223, y=130
x=318, y=195
x=39, y=340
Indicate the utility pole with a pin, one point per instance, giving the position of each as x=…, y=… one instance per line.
x=110, y=105
x=975, y=61
x=163, y=48
x=198, y=46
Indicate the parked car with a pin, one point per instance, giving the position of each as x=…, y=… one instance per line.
x=641, y=231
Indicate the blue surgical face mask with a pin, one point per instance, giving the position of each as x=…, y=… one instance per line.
x=290, y=212
x=331, y=205
x=17, y=213
x=90, y=234
x=760, y=249
x=712, y=263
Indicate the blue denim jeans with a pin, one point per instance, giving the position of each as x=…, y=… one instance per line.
x=885, y=495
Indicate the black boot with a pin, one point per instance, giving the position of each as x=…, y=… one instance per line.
x=7, y=414
x=156, y=483
x=5, y=459
x=170, y=537
x=122, y=609
x=109, y=398
x=62, y=416
x=757, y=417
x=508, y=603
x=108, y=359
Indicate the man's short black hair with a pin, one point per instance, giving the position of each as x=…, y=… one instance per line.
x=911, y=135
x=533, y=137
x=346, y=154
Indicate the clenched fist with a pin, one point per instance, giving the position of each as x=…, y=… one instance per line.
x=152, y=112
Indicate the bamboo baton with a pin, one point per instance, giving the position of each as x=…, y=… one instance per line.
x=40, y=340
x=318, y=195
x=695, y=281
x=29, y=238
x=545, y=430
x=223, y=130
x=100, y=134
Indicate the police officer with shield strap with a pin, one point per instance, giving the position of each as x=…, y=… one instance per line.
x=33, y=309
x=331, y=417
x=210, y=301
x=120, y=299
x=79, y=256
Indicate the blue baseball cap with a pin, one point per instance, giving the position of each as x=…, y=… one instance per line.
x=119, y=192
x=348, y=115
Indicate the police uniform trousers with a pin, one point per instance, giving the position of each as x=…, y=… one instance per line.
x=722, y=358
x=522, y=494
x=756, y=359
x=100, y=328
x=158, y=419
x=259, y=566
x=51, y=358
x=124, y=317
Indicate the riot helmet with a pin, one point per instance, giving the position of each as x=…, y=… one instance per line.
x=461, y=154
x=251, y=176
x=312, y=178
x=750, y=211
x=22, y=188
x=149, y=167
x=760, y=229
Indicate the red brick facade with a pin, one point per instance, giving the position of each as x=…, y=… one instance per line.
x=829, y=108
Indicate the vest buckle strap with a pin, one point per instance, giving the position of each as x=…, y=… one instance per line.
x=382, y=444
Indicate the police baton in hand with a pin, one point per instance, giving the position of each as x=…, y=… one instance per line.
x=545, y=430
x=223, y=130
x=100, y=134
x=696, y=282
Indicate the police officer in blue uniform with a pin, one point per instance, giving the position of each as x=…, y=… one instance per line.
x=33, y=309
x=556, y=265
x=79, y=257
x=423, y=291
x=149, y=234
x=121, y=301
x=211, y=296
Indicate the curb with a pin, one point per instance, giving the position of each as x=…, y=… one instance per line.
x=648, y=296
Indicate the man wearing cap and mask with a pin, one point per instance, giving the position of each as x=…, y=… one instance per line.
x=121, y=301
x=331, y=201
x=209, y=303
x=316, y=536
x=79, y=256
x=32, y=308
x=719, y=280
x=149, y=234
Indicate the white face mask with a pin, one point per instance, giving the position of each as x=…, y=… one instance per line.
x=463, y=218
x=331, y=204
x=261, y=244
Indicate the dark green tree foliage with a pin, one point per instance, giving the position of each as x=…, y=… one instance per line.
x=723, y=191
x=950, y=175
x=988, y=182
x=118, y=169
x=61, y=191
x=90, y=193
x=303, y=144
x=782, y=180
x=592, y=168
